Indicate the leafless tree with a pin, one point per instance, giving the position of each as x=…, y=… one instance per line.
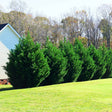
x=105, y=25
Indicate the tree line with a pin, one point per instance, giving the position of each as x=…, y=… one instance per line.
x=31, y=64
x=77, y=24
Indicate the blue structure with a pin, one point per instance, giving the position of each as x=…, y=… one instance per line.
x=8, y=36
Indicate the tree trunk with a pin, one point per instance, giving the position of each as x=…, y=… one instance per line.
x=108, y=42
x=108, y=39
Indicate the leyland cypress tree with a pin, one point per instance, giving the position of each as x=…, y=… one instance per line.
x=27, y=66
x=105, y=55
x=88, y=66
x=57, y=64
x=99, y=60
x=108, y=61
x=74, y=65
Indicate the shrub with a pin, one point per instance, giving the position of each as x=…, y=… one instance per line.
x=88, y=66
x=57, y=64
x=74, y=65
x=27, y=66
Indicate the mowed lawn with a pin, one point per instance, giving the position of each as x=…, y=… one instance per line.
x=90, y=96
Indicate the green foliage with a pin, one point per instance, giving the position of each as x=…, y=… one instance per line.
x=88, y=66
x=27, y=66
x=74, y=65
x=30, y=66
x=57, y=64
x=108, y=61
x=99, y=59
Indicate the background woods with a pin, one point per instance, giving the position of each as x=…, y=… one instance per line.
x=78, y=23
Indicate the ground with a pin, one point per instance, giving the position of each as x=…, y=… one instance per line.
x=89, y=96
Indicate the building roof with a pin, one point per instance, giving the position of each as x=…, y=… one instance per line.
x=2, y=26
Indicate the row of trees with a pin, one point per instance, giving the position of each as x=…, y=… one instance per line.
x=75, y=24
x=33, y=65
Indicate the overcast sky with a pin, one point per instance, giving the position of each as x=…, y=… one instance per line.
x=56, y=8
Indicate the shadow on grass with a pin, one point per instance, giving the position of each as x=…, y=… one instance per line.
x=6, y=89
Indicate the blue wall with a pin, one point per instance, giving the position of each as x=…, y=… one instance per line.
x=9, y=38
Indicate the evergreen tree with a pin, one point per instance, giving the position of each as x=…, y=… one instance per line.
x=96, y=54
x=108, y=61
x=27, y=66
x=57, y=64
x=99, y=60
x=88, y=66
x=74, y=65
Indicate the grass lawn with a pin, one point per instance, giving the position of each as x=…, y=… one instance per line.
x=90, y=96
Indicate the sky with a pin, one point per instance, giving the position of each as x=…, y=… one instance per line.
x=57, y=8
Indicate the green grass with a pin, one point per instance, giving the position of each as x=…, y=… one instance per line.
x=90, y=96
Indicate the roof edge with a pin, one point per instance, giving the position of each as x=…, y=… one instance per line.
x=13, y=30
x=8, y=25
